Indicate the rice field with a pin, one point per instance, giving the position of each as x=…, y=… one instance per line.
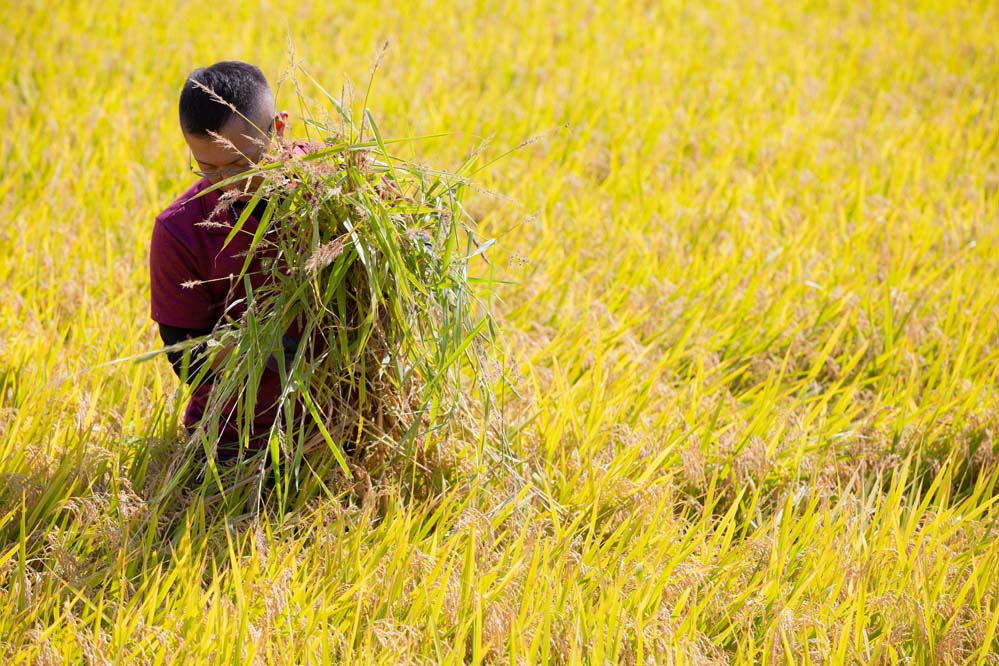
x=746, y=366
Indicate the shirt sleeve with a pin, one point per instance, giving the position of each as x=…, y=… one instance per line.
x=176, y=296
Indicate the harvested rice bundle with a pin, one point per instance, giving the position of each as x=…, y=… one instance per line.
x=358, y=295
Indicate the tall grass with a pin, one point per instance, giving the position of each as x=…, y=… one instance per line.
x=750, y=350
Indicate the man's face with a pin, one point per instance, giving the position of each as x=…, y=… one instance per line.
x=241, y=146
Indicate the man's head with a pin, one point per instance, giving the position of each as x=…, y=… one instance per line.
x=231, y=100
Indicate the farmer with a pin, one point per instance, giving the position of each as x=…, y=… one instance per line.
x=227, y=117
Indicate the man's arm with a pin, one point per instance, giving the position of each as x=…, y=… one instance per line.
x=177, y=296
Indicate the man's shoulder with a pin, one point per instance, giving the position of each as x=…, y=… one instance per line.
x=186, y=209
x=302, y=148
x=290, y=149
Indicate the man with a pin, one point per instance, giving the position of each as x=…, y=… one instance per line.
x=227, y=117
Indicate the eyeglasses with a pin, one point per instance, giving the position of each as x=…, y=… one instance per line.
x=218, y=173
x=244, y=163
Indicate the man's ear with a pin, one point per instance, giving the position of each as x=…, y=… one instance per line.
x=280, y=122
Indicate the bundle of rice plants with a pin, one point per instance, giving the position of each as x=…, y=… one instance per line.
x=364, y=303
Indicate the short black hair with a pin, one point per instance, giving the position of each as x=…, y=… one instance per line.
x=240, y=84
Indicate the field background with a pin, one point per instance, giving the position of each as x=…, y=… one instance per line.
x=753, y=338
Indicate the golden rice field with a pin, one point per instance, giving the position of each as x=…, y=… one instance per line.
x=749, y=326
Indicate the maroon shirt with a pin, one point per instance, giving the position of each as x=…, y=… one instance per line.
x=184, y=249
